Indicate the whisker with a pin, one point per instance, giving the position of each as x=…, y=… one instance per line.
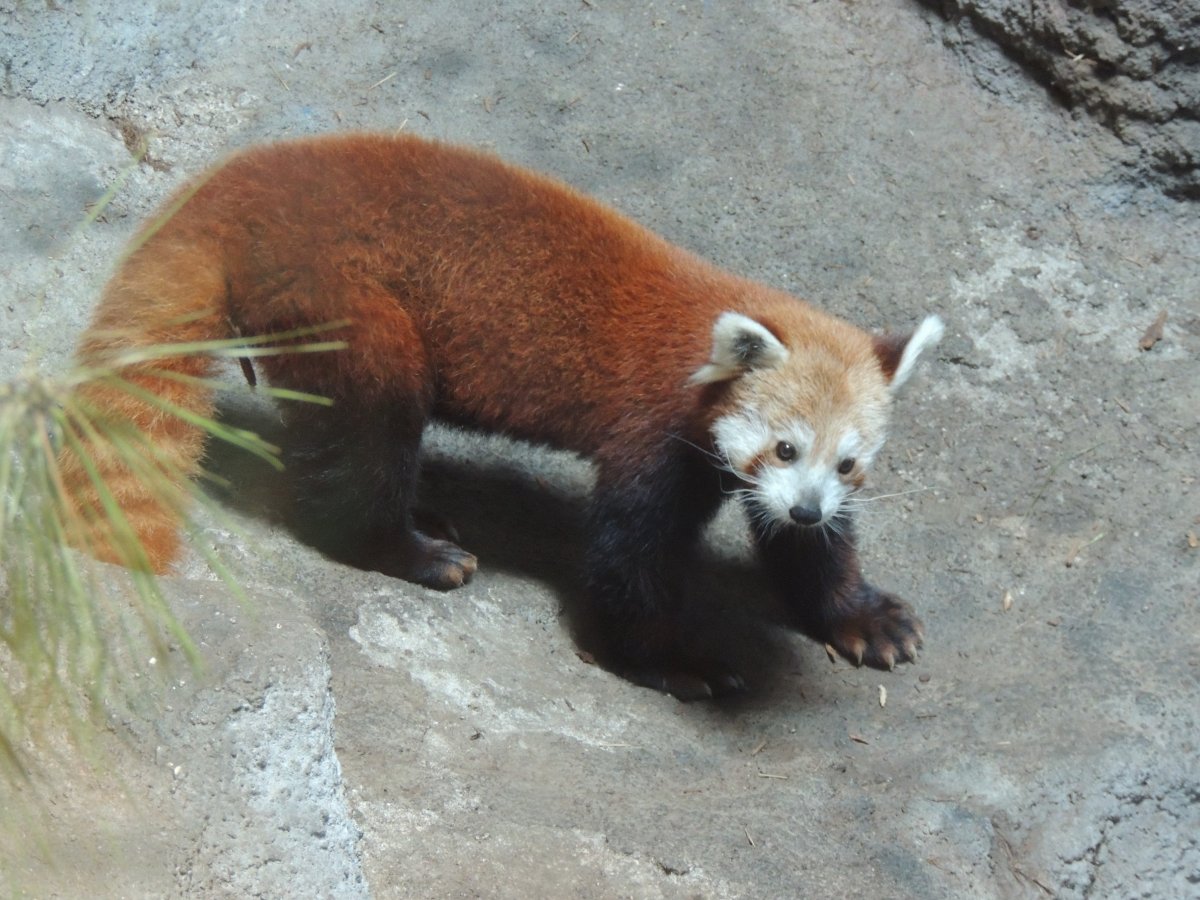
x=709, y=453
x=872, y=499
x=740, y=493
x=720, y=460
x=839, y=523
x=763, y=523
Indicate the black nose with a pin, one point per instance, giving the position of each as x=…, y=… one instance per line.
x=805, y=515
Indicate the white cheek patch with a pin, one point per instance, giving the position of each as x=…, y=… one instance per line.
x=741, y=437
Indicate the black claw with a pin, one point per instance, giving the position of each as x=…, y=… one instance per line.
x=688, y=688
x=729, y=684
x=888, y=627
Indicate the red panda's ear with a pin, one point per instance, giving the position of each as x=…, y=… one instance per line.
x=739, y=345
x=898, y=354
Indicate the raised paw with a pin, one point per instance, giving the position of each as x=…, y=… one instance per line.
x=435, y=563
x=878, y=631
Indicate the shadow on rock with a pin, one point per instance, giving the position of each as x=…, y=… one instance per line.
x=525, y=527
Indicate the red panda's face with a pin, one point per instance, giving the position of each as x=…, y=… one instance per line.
x=800, y=424
x=801, y=438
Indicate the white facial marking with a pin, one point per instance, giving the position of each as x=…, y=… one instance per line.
x=800, y=436
x=810, y=480
x=850, y=446
x=740, y=438
x=816, y=487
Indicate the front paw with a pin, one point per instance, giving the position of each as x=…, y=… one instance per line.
x=879, y=630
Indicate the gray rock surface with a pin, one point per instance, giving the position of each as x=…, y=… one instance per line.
x=1134, y=65
x=222, y=782
x=391, y=741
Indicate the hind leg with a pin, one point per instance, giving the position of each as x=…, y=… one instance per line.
x=354, y=473
x=354, y=465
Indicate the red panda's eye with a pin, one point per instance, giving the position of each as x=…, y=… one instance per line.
x=846, y=466
x=785, y=451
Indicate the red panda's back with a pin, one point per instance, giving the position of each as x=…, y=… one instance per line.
x=543, y=313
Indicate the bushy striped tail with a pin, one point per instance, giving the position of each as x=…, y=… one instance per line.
x=134, y=426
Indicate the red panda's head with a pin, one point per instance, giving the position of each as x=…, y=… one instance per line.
x=804, y=408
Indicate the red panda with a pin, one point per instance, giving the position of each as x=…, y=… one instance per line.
x=476, y=292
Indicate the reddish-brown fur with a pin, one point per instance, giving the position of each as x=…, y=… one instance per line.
x=541, y=312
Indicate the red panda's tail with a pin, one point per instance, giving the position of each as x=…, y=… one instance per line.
x=131, y=441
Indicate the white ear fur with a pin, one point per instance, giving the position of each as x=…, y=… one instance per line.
x=928, y=333
x=739, y=344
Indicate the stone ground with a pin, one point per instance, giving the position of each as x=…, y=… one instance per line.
x=353, y=735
